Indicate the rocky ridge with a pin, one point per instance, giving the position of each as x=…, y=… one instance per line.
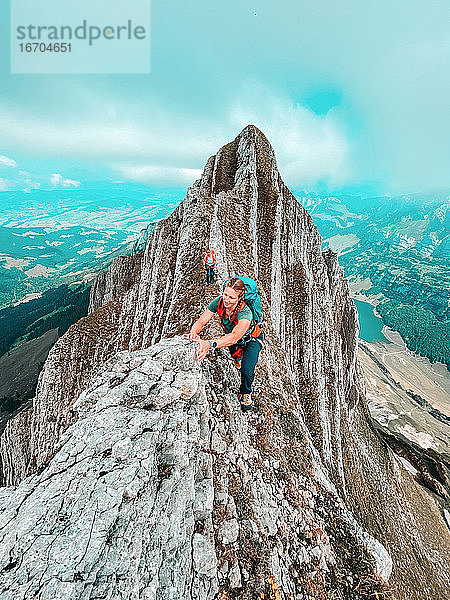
x=154, y=488
x=304, y=491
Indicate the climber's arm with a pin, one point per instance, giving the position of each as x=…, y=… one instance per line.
x=196, y=328
x=222, y=342
x=231, y=338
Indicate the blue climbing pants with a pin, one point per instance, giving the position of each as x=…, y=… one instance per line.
x=249, y=355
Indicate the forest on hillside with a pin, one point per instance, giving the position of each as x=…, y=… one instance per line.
x=56, y=309
x=420, y=329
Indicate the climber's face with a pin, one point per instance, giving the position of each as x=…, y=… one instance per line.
x=230, y=298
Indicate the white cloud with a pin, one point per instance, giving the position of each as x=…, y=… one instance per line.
x=5, y=161
x=113, y=138
x=386, y=60
x=57, y=180
x=309, y=147
x=4, y=185
x=171, y=149
x=151, y=174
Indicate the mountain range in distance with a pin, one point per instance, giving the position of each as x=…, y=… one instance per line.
x=54, y=237
x=395, y=251
x=396, y=254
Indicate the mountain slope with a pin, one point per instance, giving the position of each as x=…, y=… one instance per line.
x=333, y=508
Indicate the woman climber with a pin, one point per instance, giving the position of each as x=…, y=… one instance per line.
x=239, y=309
x=209, y=262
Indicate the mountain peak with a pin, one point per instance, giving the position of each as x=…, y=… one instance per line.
x=251, y=129
x=236, y=164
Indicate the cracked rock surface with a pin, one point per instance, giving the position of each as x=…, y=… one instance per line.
x=115, y=510
x=157, y=493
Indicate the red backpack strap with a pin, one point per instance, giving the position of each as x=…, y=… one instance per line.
x=256, y=331
x=220, y=308
x=221, y=311
x=235, y=314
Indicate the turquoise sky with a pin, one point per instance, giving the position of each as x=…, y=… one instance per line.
x=353, y=95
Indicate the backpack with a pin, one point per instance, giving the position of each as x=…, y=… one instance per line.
x=213, y=258
x=252, y=298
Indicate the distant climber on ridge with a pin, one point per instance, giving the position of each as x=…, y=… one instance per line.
x=209, y=262
x=239, y=309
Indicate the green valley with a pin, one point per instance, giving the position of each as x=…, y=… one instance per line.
x=395, y=251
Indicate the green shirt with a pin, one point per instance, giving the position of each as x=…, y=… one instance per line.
x=228, y=326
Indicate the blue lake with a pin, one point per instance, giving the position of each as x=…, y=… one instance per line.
x=371, y=327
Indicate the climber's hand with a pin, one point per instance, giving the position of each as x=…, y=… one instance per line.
x=203, y=348
x=192, y=337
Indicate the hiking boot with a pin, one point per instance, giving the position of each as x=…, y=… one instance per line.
x=246, y=402
x=238, y=363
